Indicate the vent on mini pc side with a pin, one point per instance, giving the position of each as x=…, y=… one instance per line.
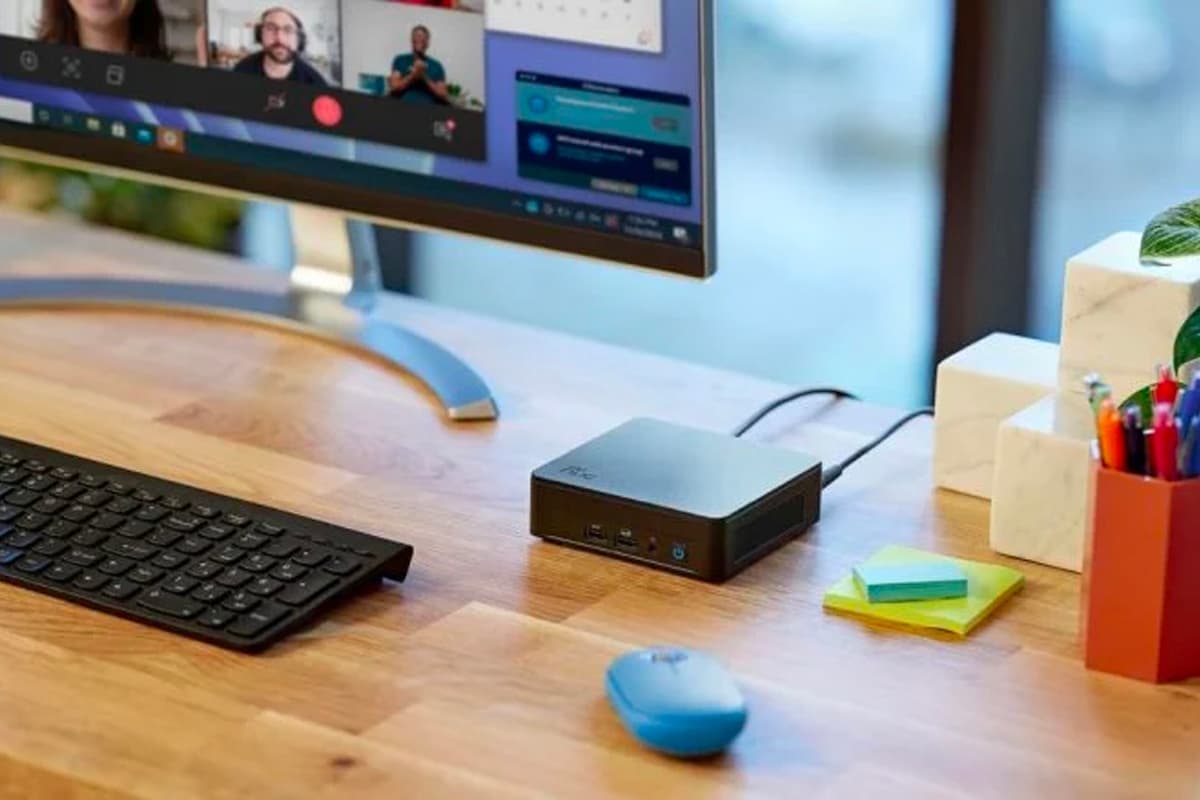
x=763, y=527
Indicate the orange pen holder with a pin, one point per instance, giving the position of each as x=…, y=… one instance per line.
x=1141, y=577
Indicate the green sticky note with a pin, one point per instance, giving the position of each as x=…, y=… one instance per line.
x=914, y=580
x=988, y=585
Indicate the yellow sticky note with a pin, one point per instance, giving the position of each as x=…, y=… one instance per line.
x=988, y=585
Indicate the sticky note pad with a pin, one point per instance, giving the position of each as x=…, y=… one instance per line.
x=915, y=580
x=988, y=585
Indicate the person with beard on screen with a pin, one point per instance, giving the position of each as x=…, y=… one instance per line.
x=282, y=36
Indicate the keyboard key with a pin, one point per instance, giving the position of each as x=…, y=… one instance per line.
x=95, y=498
x=259, y=619
x=170, y=604
x=62, y=572
x=174, y=503
x=90, y=580
x=241, y=601
x=50, y=547
x=289, y=571
x=115, y=566
x=169, y=559
x=121, y=589
x=67, y=491
x=9, y=459
x=209, y=593
x=144, y=496
x=22, y=539
x=183, y=522
x=13, y=475
x=269, y=529
x=50, y=505
x=60, y=529
x=9, y=513
x=5, y=529
x=33, y=465
x=192, y=546
x=106, y=522
x=207, y=512
x=250, y=541
x=151, y=513
x=181, y=584
x=163, y=538
x=264, y=586
x=117, y=487
x=258, y=562
x=123, y=505
x=89, y=537
x=63, y=474
x=129, y=548
x=228, y=554
x=216, y=531
x=205, y=569
x=33, y=564
x=93, y=481
x=307, y=588
x=144, y=574
x=234, y=577
x=215, y=618
x=342, y=565
x=136, y=529
x=40, y=483
x=9, y=555
x=82, y=556
x=236, y=520
x=78, y=514
x=311, y=556
x=22, y=498
x=282, y=548
x=32, y=521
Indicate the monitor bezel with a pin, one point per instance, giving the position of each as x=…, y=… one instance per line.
x=122, y=159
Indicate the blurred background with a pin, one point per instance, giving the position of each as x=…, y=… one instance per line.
x=895, y=178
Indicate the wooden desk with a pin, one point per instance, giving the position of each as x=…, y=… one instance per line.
x=482, y=674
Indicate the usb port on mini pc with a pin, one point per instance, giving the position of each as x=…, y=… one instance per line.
x=626, y=539
x=595, y=533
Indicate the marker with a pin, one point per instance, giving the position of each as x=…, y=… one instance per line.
x=1189, y=405
x=1187, y=447
x=1112, y=436
x=1166, y=443
x=1193, y=469
x=1135, y=441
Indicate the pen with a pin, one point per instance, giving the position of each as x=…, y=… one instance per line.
x=1135, y=442
x=1112, y=436
x=1189, y=404
x=1166, y=389
x=1097, y=390
x=1166, y=442
x=1187, y=447
x=1194, y=455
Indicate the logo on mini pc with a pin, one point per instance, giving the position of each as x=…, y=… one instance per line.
x=444, y=130
x=582, y=473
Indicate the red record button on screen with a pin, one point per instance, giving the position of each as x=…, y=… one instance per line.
x=327, y=110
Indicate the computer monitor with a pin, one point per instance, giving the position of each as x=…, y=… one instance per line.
x=581, y=126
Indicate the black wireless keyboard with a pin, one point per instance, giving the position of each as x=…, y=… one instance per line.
x=230, y=572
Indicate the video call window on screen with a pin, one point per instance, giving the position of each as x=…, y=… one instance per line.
x=428, y=52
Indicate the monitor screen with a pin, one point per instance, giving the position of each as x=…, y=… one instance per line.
x=575, y=125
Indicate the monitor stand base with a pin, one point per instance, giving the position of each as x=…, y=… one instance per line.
x=330, y=294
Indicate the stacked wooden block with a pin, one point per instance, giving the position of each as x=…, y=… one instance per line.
x=1013, y=424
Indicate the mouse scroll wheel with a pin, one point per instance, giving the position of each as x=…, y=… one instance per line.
x=668, y=657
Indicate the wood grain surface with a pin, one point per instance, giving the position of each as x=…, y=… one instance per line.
x=482, y=674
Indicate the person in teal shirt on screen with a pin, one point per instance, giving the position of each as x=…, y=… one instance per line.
x=416, y=77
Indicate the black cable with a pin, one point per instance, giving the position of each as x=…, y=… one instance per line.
x=833, y=473
x=841, y=394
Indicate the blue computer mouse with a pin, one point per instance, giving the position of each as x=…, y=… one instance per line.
x=677, y=701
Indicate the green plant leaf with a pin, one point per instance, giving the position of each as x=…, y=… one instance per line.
x=1187, y=342
x=1173, y=233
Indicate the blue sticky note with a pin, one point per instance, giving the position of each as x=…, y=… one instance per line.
x=918, y=580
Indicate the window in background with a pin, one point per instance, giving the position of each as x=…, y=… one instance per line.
x=1121, y=133
x=829, y=123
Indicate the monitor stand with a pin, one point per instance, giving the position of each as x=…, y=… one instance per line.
x=331, y=292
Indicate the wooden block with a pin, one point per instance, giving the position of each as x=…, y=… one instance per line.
x=978, y=388
x=1039, y=496
x=1120, y=318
